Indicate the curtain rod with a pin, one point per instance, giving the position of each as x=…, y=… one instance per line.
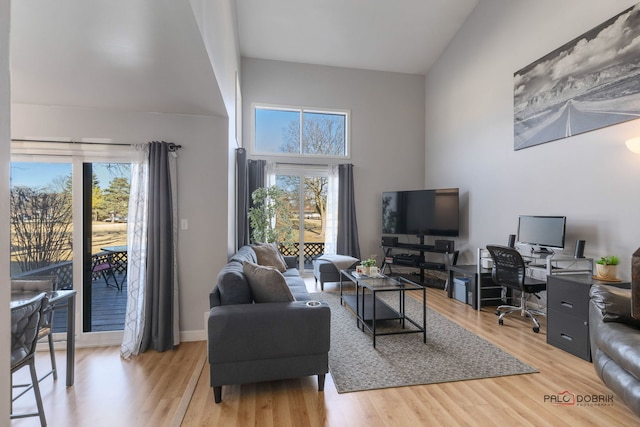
x=171, y=145
x=302, y=164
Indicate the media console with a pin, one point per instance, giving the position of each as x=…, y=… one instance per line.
x=413, y=256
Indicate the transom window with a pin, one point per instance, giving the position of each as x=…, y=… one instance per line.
x=291, y=131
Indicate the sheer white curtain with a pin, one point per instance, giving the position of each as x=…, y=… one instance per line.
x=331, y=224
x=136, y=251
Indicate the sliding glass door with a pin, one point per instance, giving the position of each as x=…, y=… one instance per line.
x=106, y=186
x=41, y=214
x=69, y=220
x=306, y=191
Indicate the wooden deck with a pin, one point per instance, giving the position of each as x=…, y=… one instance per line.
x=108, y=307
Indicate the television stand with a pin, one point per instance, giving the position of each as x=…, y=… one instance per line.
x=413, y=256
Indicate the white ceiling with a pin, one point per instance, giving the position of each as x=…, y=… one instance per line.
x=148, y=55
x=404, y=36
x=141, y=55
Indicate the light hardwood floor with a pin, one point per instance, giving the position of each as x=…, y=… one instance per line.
x=154, y=389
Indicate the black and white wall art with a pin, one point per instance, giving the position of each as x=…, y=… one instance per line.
x=589, y=83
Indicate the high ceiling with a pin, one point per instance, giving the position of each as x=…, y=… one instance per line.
x=404, y=36
x=148, y=55
x=140, y=55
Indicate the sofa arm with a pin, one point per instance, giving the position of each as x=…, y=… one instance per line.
x=268, y=330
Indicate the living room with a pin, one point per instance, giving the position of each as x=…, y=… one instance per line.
x=452, y=127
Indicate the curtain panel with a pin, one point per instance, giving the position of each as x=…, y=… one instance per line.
x=347, y=237
x=152, y=296
x=249, y=176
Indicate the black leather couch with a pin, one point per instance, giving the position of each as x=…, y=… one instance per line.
x=252, y=342
x=615, y=342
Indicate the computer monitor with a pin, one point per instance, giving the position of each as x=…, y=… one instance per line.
x=543, y=232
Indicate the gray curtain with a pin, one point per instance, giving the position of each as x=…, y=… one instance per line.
x=158, y=332
x=242, y=198
x=347, y=236
x=250, y=175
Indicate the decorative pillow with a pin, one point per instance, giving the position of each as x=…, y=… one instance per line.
x=615, y=304
x=268, y=255
x=267, y=284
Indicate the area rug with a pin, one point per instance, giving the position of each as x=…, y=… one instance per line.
x=451, y=353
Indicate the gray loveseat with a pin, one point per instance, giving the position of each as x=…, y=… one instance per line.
x=615, y=342
x=252, y=342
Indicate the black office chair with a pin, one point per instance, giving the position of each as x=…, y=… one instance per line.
x=26, y=319
x=509, y=271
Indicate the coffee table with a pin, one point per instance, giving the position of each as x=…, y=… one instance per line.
x=369, y=309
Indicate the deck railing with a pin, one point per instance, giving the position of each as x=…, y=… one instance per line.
x=311, y=252
x=63, y=271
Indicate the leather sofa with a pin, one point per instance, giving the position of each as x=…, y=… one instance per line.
x=615, y=342
x=253, y=342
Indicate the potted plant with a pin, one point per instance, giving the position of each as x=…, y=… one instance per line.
x=367, y=264
x=606, y=267
x=269, y=216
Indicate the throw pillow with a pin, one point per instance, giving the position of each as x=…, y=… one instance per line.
x=615, y=304
x=268, y=255
x=267, y=284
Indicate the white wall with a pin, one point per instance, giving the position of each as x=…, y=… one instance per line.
x=5, y=134
x=387, y=131
x=590, y=178
x=217, y=23
x=202, y=181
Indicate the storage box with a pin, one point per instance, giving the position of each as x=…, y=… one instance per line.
x=460, y=289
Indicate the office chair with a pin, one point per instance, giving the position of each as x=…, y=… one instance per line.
x=509, y=271
x=41, y=284
x=25, y=322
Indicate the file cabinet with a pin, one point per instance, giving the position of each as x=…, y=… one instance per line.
x=568, y=312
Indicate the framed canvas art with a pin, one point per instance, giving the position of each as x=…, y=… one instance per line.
x=589, y=83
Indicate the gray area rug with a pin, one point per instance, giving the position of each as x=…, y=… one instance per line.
x=451, y=353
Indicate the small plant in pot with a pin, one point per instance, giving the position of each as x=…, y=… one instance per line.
x=607, y=267
x=367, y=264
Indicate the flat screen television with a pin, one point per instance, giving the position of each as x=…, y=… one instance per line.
x=544, y=232
x=421, y=212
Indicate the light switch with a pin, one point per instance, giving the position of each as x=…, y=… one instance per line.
x=184, y=224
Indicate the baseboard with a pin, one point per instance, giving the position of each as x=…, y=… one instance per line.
x=188, y=336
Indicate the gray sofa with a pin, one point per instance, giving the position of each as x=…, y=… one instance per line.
x=615, y=342
x=252, y=342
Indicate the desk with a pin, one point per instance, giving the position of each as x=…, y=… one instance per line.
x=59, y=299
x=483, y=290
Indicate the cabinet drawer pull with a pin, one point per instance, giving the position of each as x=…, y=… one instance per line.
x=566, y=337
x=566, y=304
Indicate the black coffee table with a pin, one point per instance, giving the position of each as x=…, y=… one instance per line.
x=369, y=309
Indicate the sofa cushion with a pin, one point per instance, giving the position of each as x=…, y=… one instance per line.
x=245, y=253
x=233, y=285
x=268, y=255
x=298, y=287
x=267, y=283
x=614, y=303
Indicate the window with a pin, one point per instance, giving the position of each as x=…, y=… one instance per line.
x=300, y=132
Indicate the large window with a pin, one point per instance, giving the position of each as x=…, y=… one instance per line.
x=300, y=132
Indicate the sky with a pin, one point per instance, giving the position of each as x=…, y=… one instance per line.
x=269, y=126
x=33, y=174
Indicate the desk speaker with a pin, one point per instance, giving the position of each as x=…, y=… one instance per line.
x=512, y=241
x=579, y=249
